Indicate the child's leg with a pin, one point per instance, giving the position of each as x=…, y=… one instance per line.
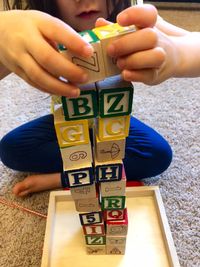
x=33, y=147
x=147, y=152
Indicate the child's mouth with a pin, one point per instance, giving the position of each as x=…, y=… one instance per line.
x=88, y=15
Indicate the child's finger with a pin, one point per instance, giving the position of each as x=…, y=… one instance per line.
x=152, y=58
x=102, y=22
x=31, y=72
x=56, y=64
x=146, y=76
x=141, y=16
x=63, y=34
x=140, y=40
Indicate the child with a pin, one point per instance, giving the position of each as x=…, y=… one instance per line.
x=33, y=146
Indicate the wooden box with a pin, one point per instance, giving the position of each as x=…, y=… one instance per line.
x=149, y=240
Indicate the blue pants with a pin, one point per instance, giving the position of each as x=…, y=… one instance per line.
x=33, y=147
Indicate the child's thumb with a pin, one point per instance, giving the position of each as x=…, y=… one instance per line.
x=141, y=16
x=102, y=22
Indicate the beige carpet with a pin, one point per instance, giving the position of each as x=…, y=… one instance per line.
x=172, y=108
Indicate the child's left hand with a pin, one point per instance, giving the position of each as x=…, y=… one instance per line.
x=137, y=53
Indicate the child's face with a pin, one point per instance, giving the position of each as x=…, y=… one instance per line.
x=82, y=14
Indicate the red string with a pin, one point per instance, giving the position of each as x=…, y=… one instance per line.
x=15, y=205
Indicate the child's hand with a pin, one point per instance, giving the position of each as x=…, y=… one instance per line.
x=139, y=55
x=28, y=48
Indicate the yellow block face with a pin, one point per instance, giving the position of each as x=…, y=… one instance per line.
x=71, y=133
x=111, y=30
x=113, y=128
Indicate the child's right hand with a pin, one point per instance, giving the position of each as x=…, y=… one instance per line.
x=28, y=48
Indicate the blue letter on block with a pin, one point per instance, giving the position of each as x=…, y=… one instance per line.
x=80, y=177
x=109, y=173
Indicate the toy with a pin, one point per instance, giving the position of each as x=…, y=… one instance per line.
x=95, y=174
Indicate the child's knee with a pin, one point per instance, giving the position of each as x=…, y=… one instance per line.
x=7, y=149
x=163, y=156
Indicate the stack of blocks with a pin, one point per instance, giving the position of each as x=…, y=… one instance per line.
x=91, y=132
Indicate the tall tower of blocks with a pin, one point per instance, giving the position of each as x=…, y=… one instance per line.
x=91, y=132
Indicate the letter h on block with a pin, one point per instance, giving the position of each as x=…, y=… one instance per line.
x=108, y=172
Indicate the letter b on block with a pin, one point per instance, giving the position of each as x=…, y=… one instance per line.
x=82, y=107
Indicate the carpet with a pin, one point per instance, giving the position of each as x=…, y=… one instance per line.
x=171, y=108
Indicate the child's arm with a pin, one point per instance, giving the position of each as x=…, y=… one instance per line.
x=186, y=46
x=28, y=48
x=3, y=71
x=157, y=51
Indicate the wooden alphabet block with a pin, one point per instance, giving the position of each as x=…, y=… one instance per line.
x=96, y=249
x=94, y=229
x=71, y=132
x=114, y=202
x=117, y=188
x=113, y=215
x=83, y=192
x=112, y=128
x=107, y=34
x=108, y=171
x=109, y=150
x=115, y=250
x=73, y=156
x=87, y=204
x=82, y=107
x=115, y=97
x=115, y=240
x=79, y=177
x=95, y=240
x=94, y=66
x=117, y=227
x=91, y=218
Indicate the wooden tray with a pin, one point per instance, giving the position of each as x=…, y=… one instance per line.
x=149, y=240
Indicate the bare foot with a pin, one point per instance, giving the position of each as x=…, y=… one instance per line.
x=37, y=183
